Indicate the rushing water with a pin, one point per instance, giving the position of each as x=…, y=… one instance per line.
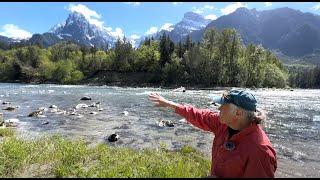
x=293, y=119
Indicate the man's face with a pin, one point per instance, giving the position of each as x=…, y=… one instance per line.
x=227, y=115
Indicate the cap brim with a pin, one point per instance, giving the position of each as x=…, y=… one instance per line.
x=217, y=99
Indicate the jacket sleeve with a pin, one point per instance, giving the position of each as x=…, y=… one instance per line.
x=262, y=165
x=204, y=119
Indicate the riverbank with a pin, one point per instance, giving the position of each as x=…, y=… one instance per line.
x=131, y=79
x=57, y=157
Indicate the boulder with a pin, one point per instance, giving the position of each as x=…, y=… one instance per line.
x=6, y=102
x=113, y=138
x=10, y=108
x=35, y=113
x=44, y=123
x=11, y=122
x=164, y=123
x=81, y=106
x=86, y=98
x=93, y=112
x=125, y=113
x=169, y=124
x=53, y=106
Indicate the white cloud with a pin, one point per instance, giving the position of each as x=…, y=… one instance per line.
x=232, y=7
x=92, y=16
x=152, y=30
x=176, y=3
x=316, y=7
x=211, y=17
x=80, y=8
x=96, y=22
x=268, y=3
x=117, y=33
x=134, y=36
x=108, y=28
x=167, y=27
x=201, y=10
x=134, y=3
x=133, y=39
x=13, y=31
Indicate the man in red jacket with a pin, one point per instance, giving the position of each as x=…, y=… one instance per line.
x=240, y=147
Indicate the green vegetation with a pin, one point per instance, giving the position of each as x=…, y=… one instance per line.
x=303, y=76
x=57, y=157
x=220, y=59
x=6, y=132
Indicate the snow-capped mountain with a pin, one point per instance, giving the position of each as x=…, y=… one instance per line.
x=78, y=29
x=190, y=22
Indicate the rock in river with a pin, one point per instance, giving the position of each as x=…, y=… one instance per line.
x=10, y=108
x=44, y=123
x=164, y=123
x=6, y=102
x=113, y=137
x=86, y=98
x=53, y=106
x=35, y=113
x=81, y=106
x=93, y=112
x=11, y=122
x=125, y=113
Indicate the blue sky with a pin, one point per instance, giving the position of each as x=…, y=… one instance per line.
x=132, y=19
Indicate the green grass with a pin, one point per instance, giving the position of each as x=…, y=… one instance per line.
x=5, y=132
x=57, y=157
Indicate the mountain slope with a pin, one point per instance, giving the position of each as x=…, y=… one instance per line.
x=292, y=32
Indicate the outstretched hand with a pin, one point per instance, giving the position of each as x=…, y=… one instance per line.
x=160, y=101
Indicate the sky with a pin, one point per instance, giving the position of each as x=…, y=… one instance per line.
x=20, y=20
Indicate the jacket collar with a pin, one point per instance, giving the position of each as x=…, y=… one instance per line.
x=243, y=133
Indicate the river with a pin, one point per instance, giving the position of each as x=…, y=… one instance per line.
x=292, y=125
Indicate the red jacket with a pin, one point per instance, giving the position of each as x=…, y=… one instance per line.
x=253, y=155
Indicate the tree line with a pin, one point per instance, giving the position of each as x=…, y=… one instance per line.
x=219, y=59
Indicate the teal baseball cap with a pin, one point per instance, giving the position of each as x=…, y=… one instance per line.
x=239, y=97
